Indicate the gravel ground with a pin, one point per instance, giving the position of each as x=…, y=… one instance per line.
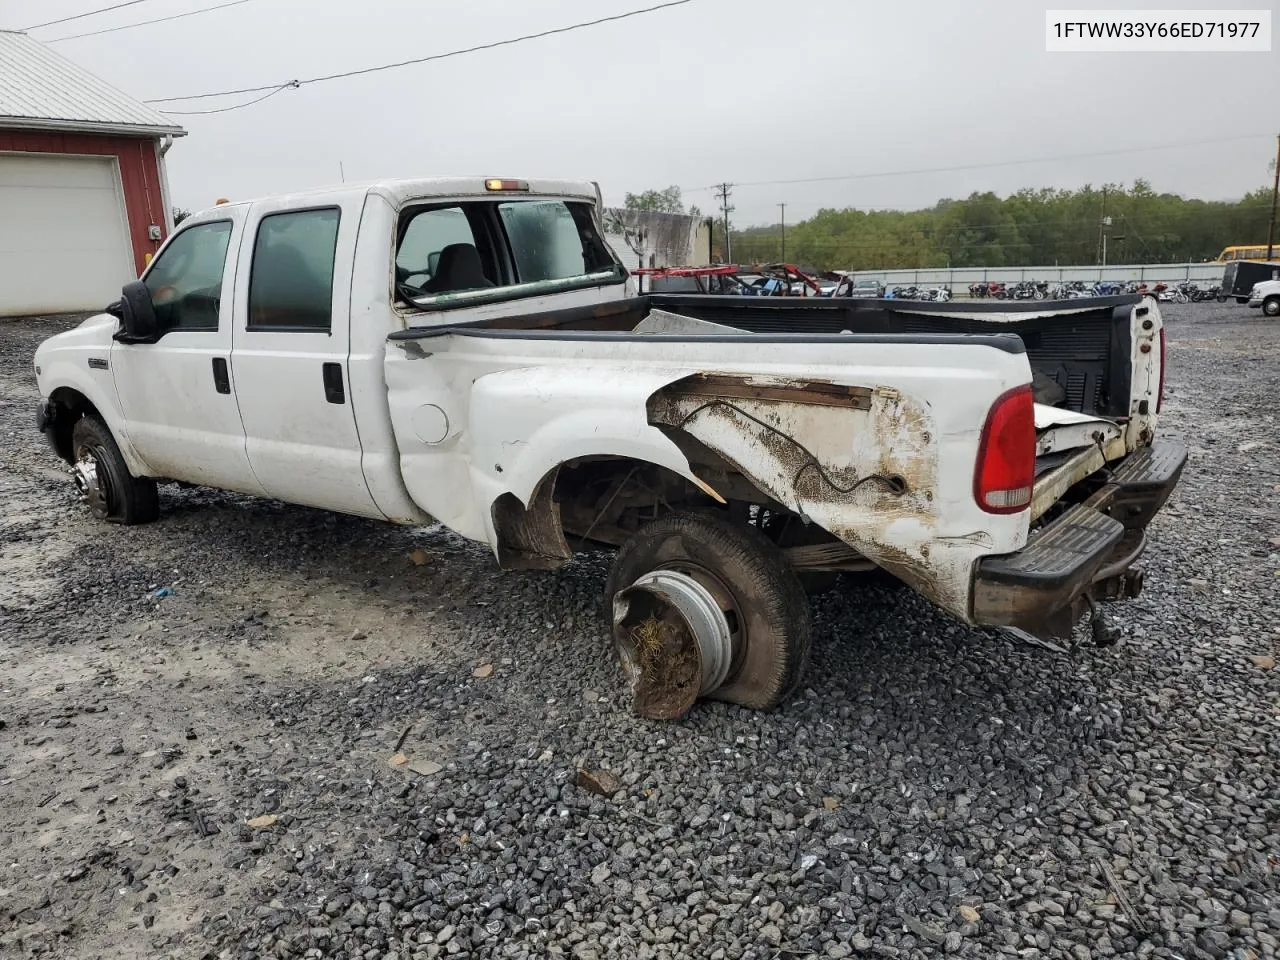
x=212, y=774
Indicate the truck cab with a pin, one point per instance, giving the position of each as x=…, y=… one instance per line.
x=261, y=372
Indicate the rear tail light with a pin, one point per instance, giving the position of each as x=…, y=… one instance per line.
x=1006, y=471
x=1160, y=395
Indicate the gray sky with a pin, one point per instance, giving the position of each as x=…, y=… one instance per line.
x=738, y=90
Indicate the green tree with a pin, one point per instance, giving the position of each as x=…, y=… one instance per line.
x=660, y=201
x=1032, y=227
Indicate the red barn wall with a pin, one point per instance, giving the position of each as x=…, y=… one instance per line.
x=139, y=169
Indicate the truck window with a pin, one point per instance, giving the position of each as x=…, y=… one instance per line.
x=418, y=258
x=481, y=246
x=185, y=281
x=544, y=240
x=291, y=277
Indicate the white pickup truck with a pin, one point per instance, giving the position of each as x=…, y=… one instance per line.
x=1267, y=296
x=472, y=351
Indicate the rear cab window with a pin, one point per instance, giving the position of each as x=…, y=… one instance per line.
x=291, y=276
x=467, y=252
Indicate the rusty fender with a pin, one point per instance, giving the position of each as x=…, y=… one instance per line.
x=859, y=461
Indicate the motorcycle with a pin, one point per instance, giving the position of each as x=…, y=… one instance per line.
x=1167, y=295
x=979, y=290
x=1161, y=292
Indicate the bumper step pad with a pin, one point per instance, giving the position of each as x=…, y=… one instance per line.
x=1044, y=588
x=1152, y=468
x=1144, y=482
x=1068, y=551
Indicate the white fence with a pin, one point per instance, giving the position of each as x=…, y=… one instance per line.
x=960, y=277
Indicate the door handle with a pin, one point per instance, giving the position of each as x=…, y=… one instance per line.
x=334, y=391
x=221, y=379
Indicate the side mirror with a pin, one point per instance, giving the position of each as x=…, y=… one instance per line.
x=136, y=313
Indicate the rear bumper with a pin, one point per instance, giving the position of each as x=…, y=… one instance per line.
x=1083, y=555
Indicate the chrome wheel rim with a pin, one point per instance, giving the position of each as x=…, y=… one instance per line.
x=91, y=482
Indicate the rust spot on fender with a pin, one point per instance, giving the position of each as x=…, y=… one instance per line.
x=911, y=570
x=864, y=469
x=783, y=389
x=412, y=349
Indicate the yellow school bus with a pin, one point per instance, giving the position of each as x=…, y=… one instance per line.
x=1257, y=252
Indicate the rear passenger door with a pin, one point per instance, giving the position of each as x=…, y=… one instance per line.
x=290, y=353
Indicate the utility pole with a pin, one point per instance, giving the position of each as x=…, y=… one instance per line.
x=1102, y=231
x=725, y=193
x=1275, y=192
x=783, y=208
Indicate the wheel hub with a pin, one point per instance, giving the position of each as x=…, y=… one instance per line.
x=675, y=642
x=703, y=617
x=89, y=484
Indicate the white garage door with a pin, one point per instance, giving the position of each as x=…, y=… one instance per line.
x=64, y=244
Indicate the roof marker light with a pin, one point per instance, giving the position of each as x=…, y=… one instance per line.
x=497, y=184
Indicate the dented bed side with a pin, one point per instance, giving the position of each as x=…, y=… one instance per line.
x=872, y=438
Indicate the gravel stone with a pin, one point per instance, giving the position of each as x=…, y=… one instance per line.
x=922, y=767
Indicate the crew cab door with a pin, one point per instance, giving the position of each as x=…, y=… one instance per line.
x=290, y=354
x=177, y=395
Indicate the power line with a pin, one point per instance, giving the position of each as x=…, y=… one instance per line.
x=237, y=106
x=81, y=16
x=417, y=60
x=143, y=23
x=989, y=165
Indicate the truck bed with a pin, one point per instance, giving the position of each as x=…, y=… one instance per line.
x=864, y=418
x=1079, y=350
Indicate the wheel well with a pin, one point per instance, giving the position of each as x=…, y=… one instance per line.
x=588, y=502
x=606, y=499
x=68, y=407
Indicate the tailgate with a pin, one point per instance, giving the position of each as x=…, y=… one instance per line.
x=1059, y=430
